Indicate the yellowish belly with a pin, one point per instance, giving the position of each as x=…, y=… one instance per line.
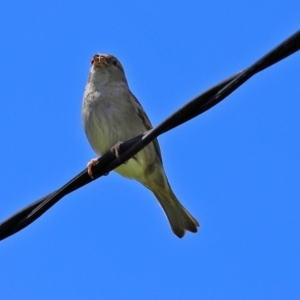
x=132, y=169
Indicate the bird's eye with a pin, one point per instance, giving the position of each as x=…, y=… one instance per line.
x=115, y=63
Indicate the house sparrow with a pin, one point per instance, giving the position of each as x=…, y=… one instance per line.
x=111, y=114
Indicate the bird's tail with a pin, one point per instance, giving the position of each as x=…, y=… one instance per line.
x=180, y=219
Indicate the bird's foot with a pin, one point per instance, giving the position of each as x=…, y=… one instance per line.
x=115, y=150
x=90, y=165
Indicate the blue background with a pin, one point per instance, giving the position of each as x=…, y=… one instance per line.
x=236, y=167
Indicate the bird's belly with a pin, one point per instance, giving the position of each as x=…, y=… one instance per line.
x=117, y=124
x=106, y=129
x=131, y=169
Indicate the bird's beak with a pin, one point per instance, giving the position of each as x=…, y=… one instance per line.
x=99, y=61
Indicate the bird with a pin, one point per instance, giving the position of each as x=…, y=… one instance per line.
x=111, y=114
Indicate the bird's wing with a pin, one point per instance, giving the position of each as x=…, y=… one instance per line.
x=141, y=113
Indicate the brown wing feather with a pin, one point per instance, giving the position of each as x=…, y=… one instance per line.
x=141, y=113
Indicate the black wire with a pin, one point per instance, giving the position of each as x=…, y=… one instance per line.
x=108, y=162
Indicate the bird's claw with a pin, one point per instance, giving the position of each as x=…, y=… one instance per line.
x=115, y=150
x=90, y=165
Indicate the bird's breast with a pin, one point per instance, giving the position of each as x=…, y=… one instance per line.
x=107, y=120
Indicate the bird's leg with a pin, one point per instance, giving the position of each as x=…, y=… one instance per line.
x=90, y=165
x=115, y=150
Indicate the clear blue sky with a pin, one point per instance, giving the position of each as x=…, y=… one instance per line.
x=236, y=167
